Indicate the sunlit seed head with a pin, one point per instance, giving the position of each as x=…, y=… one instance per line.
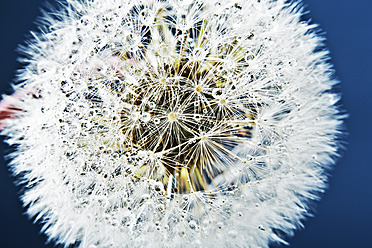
x=192, y=118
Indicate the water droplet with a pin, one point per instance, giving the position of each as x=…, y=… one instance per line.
x=233, y=234
x=156, y=121
x=197, y=117
x=249, y=57
x=145, y=117
x=164, y=50
x=193, y=225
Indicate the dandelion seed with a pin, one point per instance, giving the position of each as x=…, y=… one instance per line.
x=173, y=123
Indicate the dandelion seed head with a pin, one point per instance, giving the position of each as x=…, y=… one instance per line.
x=174, y=123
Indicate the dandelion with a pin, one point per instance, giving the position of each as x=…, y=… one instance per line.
x=173, y=123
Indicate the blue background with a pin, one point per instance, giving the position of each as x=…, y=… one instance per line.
x=343, y=218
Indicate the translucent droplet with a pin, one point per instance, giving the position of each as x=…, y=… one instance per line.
x=152, y=104
x=249, y=57
x=197, y=117
x=145, y=117
x=156, y=121
x=164, y=50
x=233, y=234
x=192, y=225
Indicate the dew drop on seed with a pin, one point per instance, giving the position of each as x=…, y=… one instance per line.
x=145, y=117
x=192, y=225
x=156, y=121
x=233, y=234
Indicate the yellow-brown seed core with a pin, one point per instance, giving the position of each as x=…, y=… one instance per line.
x=172, y=117
x=198, y=88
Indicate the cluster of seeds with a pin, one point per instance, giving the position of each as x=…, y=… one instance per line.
x=179, y=123
x=183, y=112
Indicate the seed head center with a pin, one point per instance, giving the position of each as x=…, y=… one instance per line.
x=198, y=88
x=172, y=117
x=223, y=101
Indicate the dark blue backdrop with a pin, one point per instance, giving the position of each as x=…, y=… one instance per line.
x=344, y=216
